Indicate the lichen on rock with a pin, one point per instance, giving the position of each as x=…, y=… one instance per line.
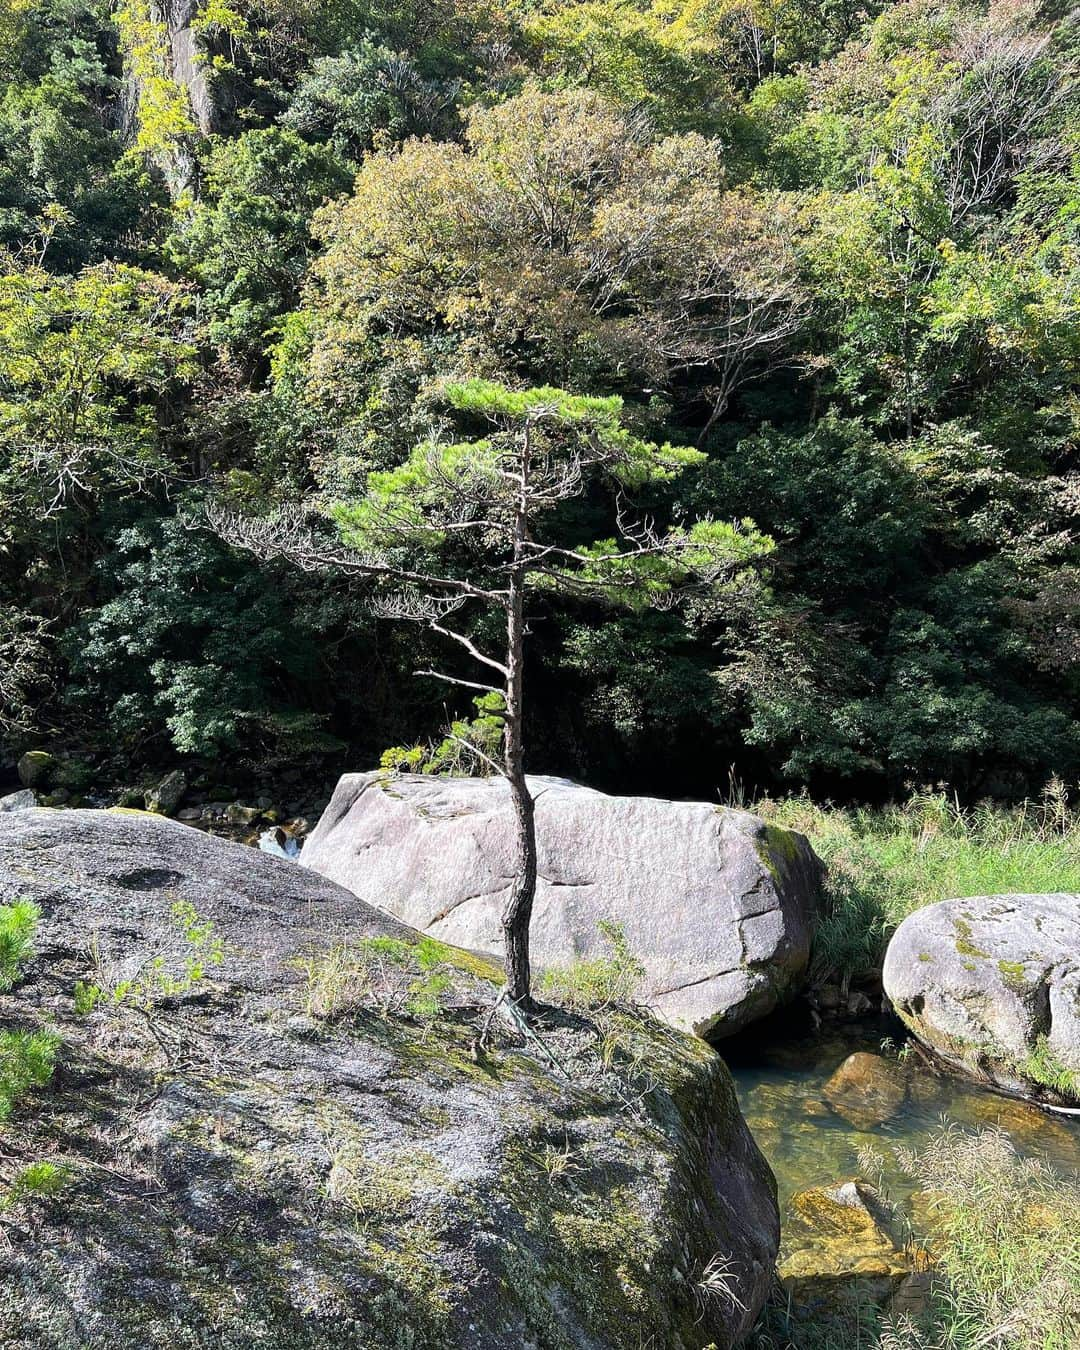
x=1000, y=996
x=246, y=1173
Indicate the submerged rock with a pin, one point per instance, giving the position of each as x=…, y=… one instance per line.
x=866, y=1090
x=840, y=1254
x=992, y=985
x=715, y=903
x=283, y=1128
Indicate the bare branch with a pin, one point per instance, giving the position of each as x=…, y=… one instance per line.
x=465, y=684
x=471, y=648
x=282, y=535
x=416, y=607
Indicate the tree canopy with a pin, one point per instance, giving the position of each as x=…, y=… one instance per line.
x=302, y=260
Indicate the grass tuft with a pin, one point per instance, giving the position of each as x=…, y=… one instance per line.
x=1006, y=1232
x=885, y=863
x=598, y=982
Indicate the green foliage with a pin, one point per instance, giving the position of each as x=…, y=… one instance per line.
x=471, y=746
x=27, y=1061
x=18, y=925
x=36, y=1181
x=158, y=978
x=27, y=1058
x=81, y=360
x=164, y=115
x=883, y=864
x=831, y=247
x=384, y=974
x=945, y=681
x=86, y=997
x=638, y=57
x=367, y=93
x=599, y=982
x=199, y=641
x=247, y=240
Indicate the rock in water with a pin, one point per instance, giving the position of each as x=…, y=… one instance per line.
x=19, y=801
x=290, y=1148
x=840, y=1254
x=866, y=1090
x=169, y=793
x=716, y=904
x=992, y=985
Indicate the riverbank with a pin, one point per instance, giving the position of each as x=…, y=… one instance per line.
x=885, y=862
x=920, y=1211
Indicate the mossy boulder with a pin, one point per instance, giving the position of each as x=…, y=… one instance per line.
x=164, y=799
x=717, y=905
x=287, y=1121
x=840, y=1254
x=35, y=768
x=992, y=985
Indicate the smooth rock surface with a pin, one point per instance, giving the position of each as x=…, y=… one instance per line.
x=19, y=801
x=251, y=1169
x=866, y=1090
x=716, y=904
x=992, y=985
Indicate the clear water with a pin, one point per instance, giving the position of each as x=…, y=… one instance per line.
x=781, y=1068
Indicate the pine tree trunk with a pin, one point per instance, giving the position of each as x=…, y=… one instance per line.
x=518, y=912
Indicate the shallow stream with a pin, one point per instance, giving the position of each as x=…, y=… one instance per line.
x=783, y=1065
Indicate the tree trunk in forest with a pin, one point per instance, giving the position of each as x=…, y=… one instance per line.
x=518, y=912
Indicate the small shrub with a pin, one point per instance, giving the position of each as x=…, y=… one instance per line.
x=385, y=974
x=156, y=981
x=598, y=982
x=27, y=1060
x=87, y=997
x=470, y=748
x=37, y=1180
x=18, y=925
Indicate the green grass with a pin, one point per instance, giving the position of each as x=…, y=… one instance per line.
x=384, y=974
x=885, y=863
x=1006, y=1232
x=1043, y=1066
x=597, y=982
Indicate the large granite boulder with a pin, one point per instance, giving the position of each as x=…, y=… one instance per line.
x=280, y=1124
x=716, y=904
x=992, y=985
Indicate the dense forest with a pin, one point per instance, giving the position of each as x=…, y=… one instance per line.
x=833, y=249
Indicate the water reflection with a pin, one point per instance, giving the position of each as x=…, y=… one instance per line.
x=782, y=1067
